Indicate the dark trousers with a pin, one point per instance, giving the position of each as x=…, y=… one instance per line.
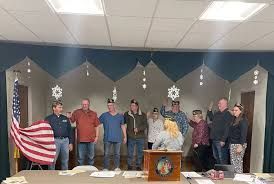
x=201, y=158
x=149, y=145
x=221, y=154
x=130, y=151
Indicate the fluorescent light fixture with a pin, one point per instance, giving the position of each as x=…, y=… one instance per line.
x=89, y=7
x=231, y=10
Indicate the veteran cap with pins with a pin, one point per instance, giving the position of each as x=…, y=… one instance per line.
x=155, y=110
x=110, y=100
x=196, y=112
x=175, y=102
x=133, y=101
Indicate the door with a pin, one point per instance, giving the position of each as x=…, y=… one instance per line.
x=23, y=100
x=247, y=100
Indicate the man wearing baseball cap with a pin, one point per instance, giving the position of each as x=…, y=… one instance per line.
x=114, y=127
x=136, y=122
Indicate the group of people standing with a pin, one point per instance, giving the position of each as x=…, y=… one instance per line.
x=227, y=132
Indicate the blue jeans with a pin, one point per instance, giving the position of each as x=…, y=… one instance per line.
x=62, y=148
x=116, y=155
x=86, y=149
x=220, y=153
x=130, y=151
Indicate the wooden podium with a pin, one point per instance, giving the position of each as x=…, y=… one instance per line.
x=162, y=165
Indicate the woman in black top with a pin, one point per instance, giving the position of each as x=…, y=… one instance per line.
x=237, y=137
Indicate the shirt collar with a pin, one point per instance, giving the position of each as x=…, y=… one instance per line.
x=224, y=110
x=56, y=115
x=87, y=111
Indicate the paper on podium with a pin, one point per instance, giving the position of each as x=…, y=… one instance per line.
x=15, y=180
x=133, y=174
x=244, y=177
x=70, y=172
x=103, y=174
x=191, y=175
x=263, y=175
x=204, y=181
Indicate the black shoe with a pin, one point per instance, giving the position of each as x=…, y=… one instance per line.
x=138, y=169
x=129, y=168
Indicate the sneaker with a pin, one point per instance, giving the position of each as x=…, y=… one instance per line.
x=129, y=168
x=105, y=169
x=138, y=169
x=117, y=169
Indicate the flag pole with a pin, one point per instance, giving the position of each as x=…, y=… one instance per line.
x=16, y=152
x=16, y=156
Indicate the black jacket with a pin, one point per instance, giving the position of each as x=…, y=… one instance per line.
x=139, y=121
x=219, y=127
x=237, y=133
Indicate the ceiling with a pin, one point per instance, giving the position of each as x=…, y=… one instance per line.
x=141, y=24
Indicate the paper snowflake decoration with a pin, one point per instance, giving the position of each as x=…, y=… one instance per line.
x=256, y=72
x=144, y=86
x=57, y=92
x=114, y=94
x=173, y=92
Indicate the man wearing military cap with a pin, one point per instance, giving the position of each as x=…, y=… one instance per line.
x=200, y=141
x=155, y=126
x=114, y=127
x=175, y=113
x=136, y=122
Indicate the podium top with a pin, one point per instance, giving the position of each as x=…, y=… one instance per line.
x=162, y=151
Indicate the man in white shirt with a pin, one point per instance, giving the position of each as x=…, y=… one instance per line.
x=155, y=126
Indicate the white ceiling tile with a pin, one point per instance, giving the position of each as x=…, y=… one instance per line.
x=2, y=38
x=266, y=43
x=88, y=30
x=11, y=29
x=128, y=29
x=204, y=33
x=180, y=9
x=227, y=45
x=138, y=8
x=266, y=15
x=25, y=5
x=172, y=25
x=213, y=27
x=128, y=23
x=130, y=39
x=162, y=39
x=167, y=32
x=2, y=12
x=244, y=34
x=47, y=26
x=199, y=40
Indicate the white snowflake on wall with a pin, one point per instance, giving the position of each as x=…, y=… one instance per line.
x=114, y=94
x=173, y=92
x=57, y=92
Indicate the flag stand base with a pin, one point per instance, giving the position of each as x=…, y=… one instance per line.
x=35, y=164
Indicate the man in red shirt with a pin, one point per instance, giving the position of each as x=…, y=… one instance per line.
x=87, y=125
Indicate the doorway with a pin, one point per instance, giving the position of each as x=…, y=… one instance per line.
x=24, y=118
x=247, y=100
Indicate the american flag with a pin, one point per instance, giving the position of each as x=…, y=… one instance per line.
x=36, y=142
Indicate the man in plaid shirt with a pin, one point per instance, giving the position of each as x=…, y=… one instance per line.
x=175, y=113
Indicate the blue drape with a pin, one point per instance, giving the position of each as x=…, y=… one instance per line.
x=4, y=153
x=269, y=127
x=118, y=63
